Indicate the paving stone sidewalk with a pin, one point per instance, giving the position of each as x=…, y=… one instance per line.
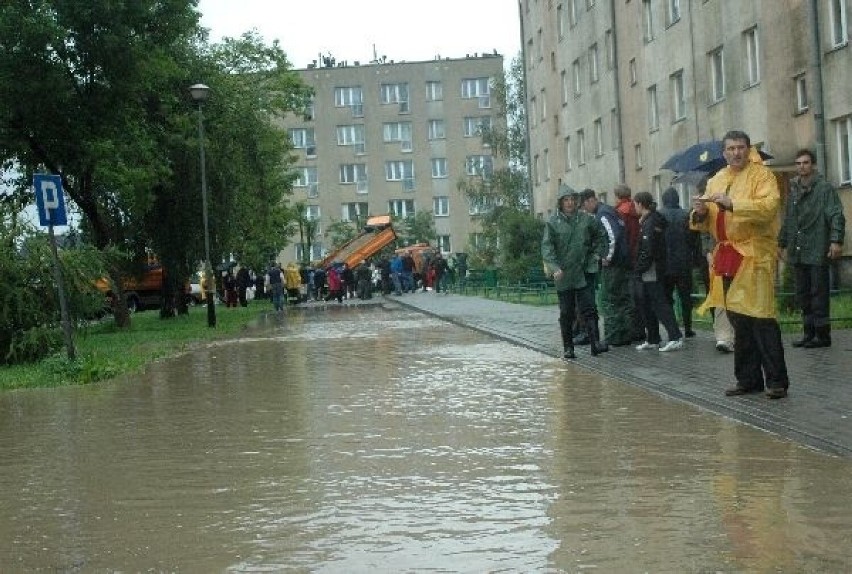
x=817, y=412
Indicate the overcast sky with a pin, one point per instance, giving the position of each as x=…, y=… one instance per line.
x=348, y=29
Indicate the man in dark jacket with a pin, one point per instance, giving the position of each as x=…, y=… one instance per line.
x=616, y=299
x=810, y=237
x=681, y=244
x=571, y=239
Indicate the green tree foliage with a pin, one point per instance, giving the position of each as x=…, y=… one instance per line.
x=511, y=232
x=417, y=228
x=340, y=231
x=97, y=91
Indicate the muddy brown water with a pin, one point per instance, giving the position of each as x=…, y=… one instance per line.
x=379, y=440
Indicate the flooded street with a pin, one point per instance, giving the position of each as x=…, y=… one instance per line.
x=381, y=440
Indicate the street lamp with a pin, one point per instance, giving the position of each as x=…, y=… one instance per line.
x=199, y=93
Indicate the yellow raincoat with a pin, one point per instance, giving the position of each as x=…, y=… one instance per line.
x=752, y=229
x=292, y=278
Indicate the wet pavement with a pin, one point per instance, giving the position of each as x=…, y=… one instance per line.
x=376, y=438
x=817, y=413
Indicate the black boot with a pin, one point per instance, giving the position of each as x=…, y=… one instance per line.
x=822, y=338
x=809, y=335
x=596, y=345
x=566, y=332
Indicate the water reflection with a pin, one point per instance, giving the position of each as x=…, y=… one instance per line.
x=365, y=440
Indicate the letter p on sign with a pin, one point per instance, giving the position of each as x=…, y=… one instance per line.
x=49, y=199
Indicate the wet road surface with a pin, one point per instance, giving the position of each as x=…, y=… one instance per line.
x=375, y=439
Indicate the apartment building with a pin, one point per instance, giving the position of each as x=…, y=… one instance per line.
x=655, y=76
x=394, y=138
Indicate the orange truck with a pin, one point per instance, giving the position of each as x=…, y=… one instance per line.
x=142, y=291
x=377, y=233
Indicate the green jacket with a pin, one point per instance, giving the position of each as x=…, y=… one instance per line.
x=572, y=243
x=813, y=218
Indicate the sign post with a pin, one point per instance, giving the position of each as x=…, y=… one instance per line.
x=51, y=211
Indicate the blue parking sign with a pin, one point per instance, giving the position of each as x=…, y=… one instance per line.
x=49, y=199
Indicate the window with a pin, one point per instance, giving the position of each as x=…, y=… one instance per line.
x=576, y=69
x=348, y=96
x=653, y=110
x=631, y=69
x=439, y=167
x=441, y=206
x=480, y=205
x=657, y=188
x=837, y=21
x=436, y=130
x=395, y=94
x=572, y=13
x=398, y=132
x=479, y=165
x=303, y=138
x=717, y=75
x=567, y=153
x=443, y=243
x=533, y=115
x=399, y=170
x=434, y=91
x=598, y=137
x=614, y=128
x=609, y=47
x=350, y=135
x=354, y=211
x=315, y=255
x=353, y=173
x=474, y=126
x=312, y=212
x=475, y=88
x=401, y=207
x=536, y=169
x=637, y=153
x=546, y=164
x=678, y=96
x=543, y=106
x=560, y=23
x=565, y=89
x=801, y=93
x=672, y=11
x=530, y=52
x=593, y=63
x=581, y=147
x=540, y=44
x=647, y=20
x=752, y=52
x=843, y=126
x=305, y=176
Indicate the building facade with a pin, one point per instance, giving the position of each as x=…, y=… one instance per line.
x=635, y=81
x=393, y=138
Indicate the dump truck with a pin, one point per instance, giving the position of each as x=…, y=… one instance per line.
x=377, y=233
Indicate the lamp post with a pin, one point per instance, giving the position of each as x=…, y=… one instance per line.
x=199, y=93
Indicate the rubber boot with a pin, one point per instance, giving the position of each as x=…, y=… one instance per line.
x=566, y=331
x=595, y=344
x=809, y=335
x=822, y=338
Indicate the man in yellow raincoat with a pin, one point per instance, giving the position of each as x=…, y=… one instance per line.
x=740, y=210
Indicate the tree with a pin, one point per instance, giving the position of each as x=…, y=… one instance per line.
x=417, y=228
x=340, y=231
x=511, y=232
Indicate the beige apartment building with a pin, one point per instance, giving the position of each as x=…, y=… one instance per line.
x=627, y=83
x=394, y=138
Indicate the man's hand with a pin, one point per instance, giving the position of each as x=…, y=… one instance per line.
x=699, y=207
x=835, y=250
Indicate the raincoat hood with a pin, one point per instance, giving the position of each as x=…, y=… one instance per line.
x=564, y=191
x=670, y=198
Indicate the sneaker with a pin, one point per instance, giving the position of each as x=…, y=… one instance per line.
x=724, y=347
x=672, y=345
x=646, y=346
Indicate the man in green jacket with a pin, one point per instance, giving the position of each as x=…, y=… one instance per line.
x=810, y=237
x=572, y=240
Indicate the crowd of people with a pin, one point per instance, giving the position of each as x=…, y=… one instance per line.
x=641, y=258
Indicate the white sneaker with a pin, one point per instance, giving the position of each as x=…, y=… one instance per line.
x=724, y=347
x=672, y=345
x=646, y=346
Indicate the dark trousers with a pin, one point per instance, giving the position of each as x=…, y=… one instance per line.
x=571, y=302
x=683, y=285
x=637, y=325
x=656, y=309
x=758, y=353
x=812, y=295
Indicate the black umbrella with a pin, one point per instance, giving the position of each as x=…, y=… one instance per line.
x=705, y=156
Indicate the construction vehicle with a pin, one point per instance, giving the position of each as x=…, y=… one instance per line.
x=377, y=234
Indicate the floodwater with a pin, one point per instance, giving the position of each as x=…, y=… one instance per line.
x=378, y=440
